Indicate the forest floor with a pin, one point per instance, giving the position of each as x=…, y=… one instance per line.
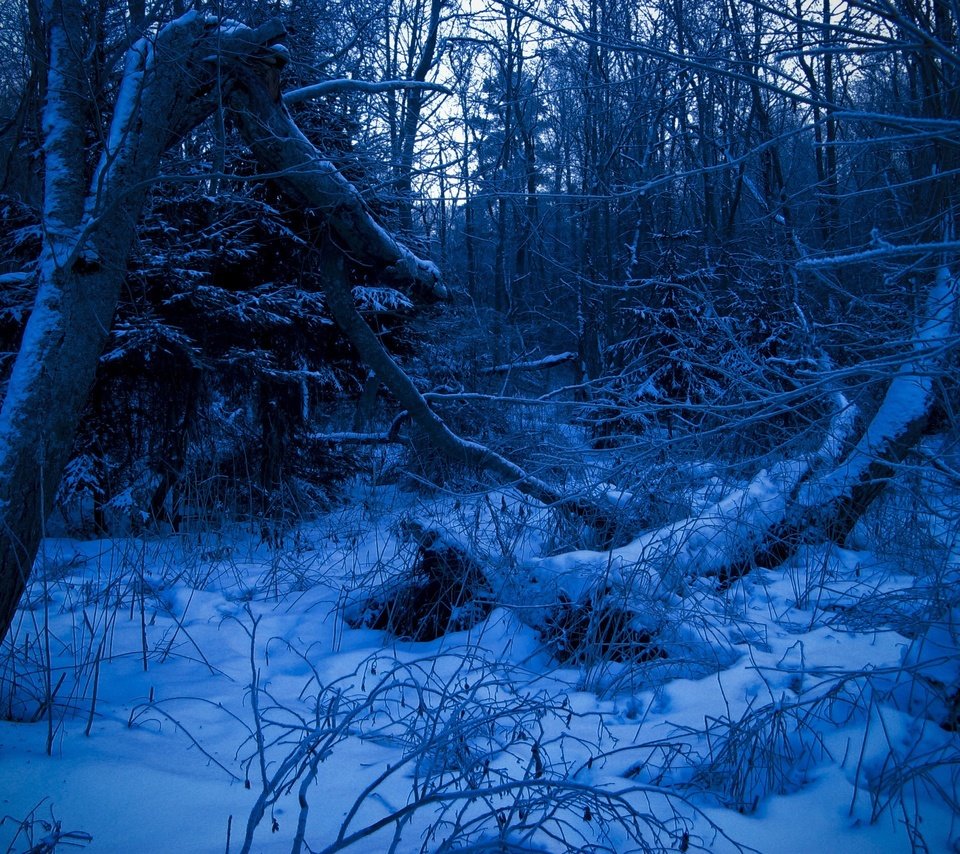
x=197, y=680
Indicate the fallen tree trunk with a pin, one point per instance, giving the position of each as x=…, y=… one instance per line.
x=616, y=603
x=795, y=502
x=828, y=505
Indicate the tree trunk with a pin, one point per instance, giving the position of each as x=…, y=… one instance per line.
x=413, y=106
x=313, y=182
x=340, y=299
x=88, y=234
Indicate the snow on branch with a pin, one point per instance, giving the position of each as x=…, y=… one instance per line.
x=137, y=63
x=15, y=280
x=533, y=365
x=950, y=126
x=351, y=438
x=465, y=396
x=883, y=251
x=380, y=299
x=344, y=84
x=313, y=181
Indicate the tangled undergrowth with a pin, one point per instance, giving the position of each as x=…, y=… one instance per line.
x=328, y=698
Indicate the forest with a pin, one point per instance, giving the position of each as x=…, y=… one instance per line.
x=479, y=426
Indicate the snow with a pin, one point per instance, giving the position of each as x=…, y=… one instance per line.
x=380, y=299
x=345, y=84
x=906, y=399
x=138, y=61
x=203, y=679
x=659, y=561
x=532, y=364
x=39, y=336
x=808, y=718
x=13, y=280
x=61, y=134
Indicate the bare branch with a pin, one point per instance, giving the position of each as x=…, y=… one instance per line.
x=328, y=87
x=533, y=365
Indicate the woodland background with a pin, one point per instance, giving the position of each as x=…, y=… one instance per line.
x=694, y=278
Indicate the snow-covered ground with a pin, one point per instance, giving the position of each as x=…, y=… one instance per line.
x=198, y=681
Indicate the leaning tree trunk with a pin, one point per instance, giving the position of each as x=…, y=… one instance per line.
x=88, y=232
x=168, y=87
x=313, y=182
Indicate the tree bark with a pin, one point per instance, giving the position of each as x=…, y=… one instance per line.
x=88, y=232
